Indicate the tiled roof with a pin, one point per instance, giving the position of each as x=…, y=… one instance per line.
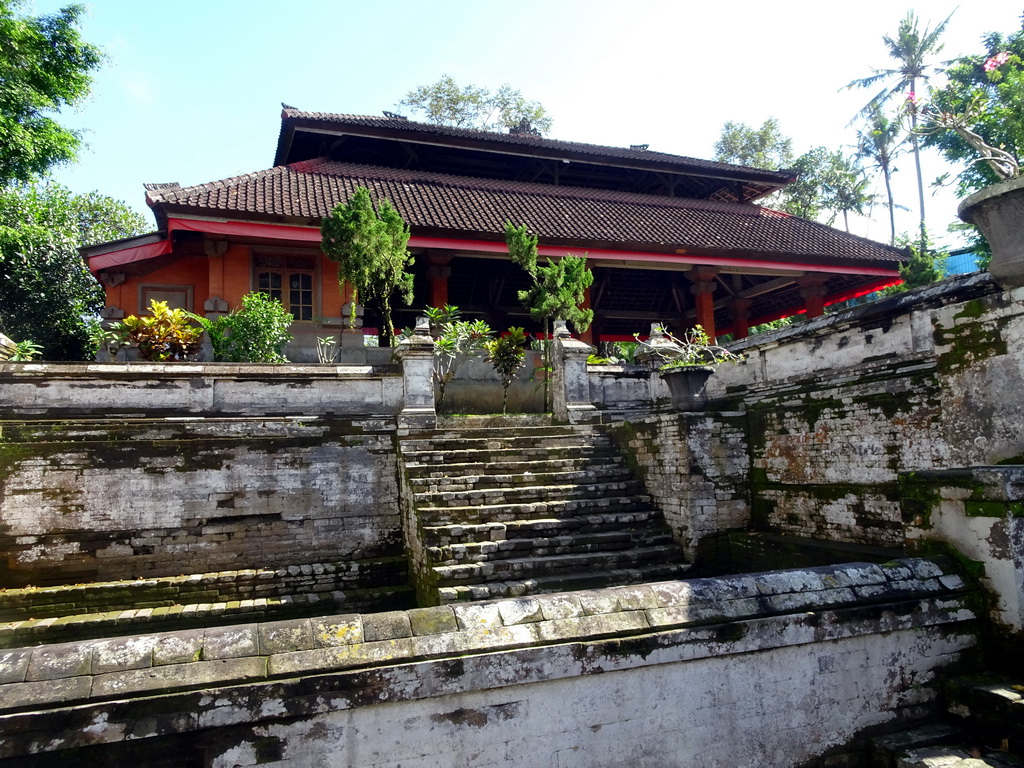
x=508, y=142
x=480, y=207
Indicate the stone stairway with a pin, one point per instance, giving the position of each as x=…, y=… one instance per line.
x=984, y=727
x=513, y=510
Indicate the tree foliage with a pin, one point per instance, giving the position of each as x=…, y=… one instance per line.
x=46, y=290
x=369, y=245
x=762, y=147
x=912, y=50
x=880, y=143
x=44, y=66
x=447, y=103
x=827, y=181
x=987, y=90
x=559, y=287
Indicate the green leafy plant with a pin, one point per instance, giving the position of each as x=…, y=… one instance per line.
x=693, y=349
x=455, y=342
x=25, y=351
x=507, y=355
x=164, y=335
x=256, y=332
x=369, y=245
x=326, y=349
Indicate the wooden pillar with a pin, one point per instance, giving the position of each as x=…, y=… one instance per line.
x=588, y=335
x=703, y=289
x=812, y=288
x=741, y=318
x=215, y=305
x=438, y=271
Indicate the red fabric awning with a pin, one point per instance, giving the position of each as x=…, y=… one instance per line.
x=128, y=255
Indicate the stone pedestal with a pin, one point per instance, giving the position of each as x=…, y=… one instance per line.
x=571, y=395
x=416, y=355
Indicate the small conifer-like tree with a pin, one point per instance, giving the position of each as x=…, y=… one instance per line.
x=369, y=245
x=558, y=287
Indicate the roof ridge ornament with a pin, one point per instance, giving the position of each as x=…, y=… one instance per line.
x=523, y=127
x=394, y=115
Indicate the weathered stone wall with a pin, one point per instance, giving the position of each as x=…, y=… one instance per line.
x=771, y=669
x=979, y=512
x=95, y=500
x=840, y=406
x=209, y=389
x=695, y=466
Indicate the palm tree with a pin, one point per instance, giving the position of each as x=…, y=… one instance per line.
x=911, y=49
x=880, y=144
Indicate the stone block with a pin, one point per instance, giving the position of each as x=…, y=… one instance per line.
x=433, y=621
x=123, y=653
x=230, y=642
x=46, y=692
x=200, y=674
x=388, y=626
x=636, y=598
x=58, y=661
x=342, y=657
x=178, y=647
x=14, y=665
x=330, y=631
x=523, y=610
x=563, y=606
x=598, y=602
x=477, y=616
x=285, y=636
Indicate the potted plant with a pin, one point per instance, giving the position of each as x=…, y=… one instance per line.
x=978, y=116
x=684, y=364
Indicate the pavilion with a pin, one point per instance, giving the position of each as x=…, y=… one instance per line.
x=670, y=239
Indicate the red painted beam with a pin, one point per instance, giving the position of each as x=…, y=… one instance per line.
x=312, y=235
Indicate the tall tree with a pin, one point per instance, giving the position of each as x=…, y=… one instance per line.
x=447, y=103
x=762, y=147
x=879, y=143
x=984, y=94
x=44, y=66
x=46, y=291
x=913, y=51
x=369, y=245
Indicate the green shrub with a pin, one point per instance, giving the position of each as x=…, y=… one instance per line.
x=164, y=335
x=254, y=333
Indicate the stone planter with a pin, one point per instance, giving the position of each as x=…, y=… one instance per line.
x=687, y=386
x=998, y=211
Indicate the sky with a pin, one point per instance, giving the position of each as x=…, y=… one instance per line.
x=192, y=89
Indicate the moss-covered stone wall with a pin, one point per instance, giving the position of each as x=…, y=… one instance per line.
x=87, y=500
x=840, y=406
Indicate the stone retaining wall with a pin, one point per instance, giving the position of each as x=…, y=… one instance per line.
x=88, y=500
x=62, y=390
x=764, y=669
x=840, y=406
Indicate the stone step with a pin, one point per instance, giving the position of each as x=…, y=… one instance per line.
x=540, y=474
x=610, y=462
x=525, y=494
x=458, y=533
x=991, y=707
x=559, y=508
x=542, y=546
x=564, y=582
x=886, y=749
x=200, y=588
x=956, y=757
x=463, y=455
x=492, y=433
x=520, y=568
x=186, y=615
